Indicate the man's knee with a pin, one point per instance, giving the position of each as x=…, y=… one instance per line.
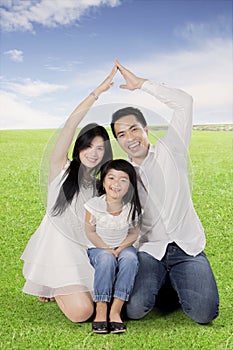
x=136, y=312
x=201, y=311
x=138, y=307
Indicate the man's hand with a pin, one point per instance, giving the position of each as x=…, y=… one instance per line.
x=132, y=82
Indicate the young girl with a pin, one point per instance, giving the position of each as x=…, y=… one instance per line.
x=112, y=225
x=56, y=264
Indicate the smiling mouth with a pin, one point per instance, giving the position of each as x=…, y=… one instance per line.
x=92, y=160
x=134, y=146
x=115, y=189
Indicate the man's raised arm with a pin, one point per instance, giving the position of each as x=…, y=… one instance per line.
x=180, y=102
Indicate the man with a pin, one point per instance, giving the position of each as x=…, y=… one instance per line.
x=172, y=237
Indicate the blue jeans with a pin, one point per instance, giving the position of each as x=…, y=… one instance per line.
x=113, y=277
x=191, y=277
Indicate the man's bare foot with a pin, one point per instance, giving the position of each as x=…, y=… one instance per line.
x=45, y=300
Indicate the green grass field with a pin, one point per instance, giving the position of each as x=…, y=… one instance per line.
x=29, y=324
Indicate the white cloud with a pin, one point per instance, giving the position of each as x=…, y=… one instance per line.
x=15, y=55
x=204, y=72
x=19, y=115
x=56, y=65
x=22, y=15
x=35, y=88
x=18, y=102
x=196, y=32
x=57, y=68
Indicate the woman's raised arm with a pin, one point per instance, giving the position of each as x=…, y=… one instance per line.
x=60, y=152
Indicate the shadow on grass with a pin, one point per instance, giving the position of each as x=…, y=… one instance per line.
x=26, y=309
x=21, y=308
x=27, y=320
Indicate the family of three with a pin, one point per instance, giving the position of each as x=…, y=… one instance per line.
x=120, y=232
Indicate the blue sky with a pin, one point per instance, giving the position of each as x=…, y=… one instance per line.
x=55, y=52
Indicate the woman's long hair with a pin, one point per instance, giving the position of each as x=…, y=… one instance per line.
x=75, y=171
x=132, y=194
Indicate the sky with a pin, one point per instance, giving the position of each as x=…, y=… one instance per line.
x=53, y=53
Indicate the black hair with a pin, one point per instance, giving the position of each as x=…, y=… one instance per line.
x=132, y=194
x=75, y=171
x=127, y=111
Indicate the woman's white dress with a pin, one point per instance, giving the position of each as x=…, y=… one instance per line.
x=55, y=258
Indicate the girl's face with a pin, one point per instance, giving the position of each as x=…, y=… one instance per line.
x=91, y=156
x=116, y=184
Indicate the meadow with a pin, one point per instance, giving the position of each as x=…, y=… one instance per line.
x=29, y=324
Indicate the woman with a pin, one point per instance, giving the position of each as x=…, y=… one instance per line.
x=56, y=264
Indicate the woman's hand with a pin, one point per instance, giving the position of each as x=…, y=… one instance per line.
x=107, y=83
x=132, y=82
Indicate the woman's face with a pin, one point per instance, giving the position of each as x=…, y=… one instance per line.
x=91, y=156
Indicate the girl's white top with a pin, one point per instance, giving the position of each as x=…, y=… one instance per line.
x=112, y=229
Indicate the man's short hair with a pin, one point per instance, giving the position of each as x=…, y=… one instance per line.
x=127, y=111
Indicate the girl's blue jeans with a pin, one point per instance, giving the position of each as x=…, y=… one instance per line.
x=113, y=277
x=191, y=277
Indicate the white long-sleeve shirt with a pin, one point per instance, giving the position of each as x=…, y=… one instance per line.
x=169, y=214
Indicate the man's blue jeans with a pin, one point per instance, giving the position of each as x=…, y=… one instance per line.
x=191, y=277
x=113, y=277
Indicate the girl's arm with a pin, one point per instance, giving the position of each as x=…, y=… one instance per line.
x=60, y=152
x=93, y=236
x=129, y=240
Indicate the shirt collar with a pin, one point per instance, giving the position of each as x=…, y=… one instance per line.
x=151, y=150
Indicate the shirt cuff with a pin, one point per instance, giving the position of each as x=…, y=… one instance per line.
x=148, y=85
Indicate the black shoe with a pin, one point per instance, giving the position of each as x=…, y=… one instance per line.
x=117, y=327
x=100, y=327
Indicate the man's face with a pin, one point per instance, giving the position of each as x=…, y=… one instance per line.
x=132, y=138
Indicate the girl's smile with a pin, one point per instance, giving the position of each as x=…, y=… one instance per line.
x=116, y=184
